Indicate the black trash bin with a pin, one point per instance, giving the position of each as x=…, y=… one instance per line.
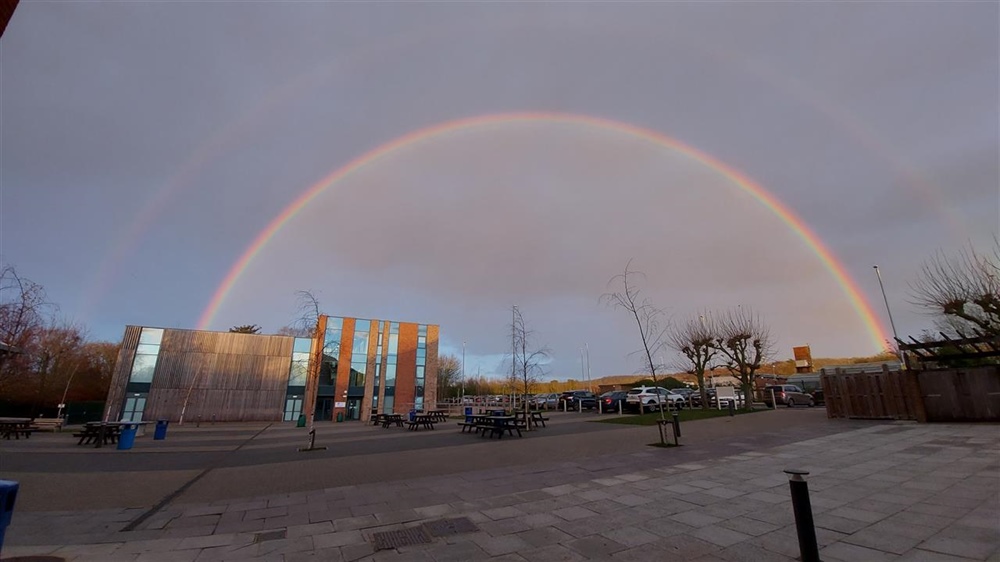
x=160, y=433
x=8, y=495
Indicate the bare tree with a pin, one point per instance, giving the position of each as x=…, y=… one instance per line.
x=24, y=311
x=308, y=311
x=449, y=369
x=246, y=329
x=695, y=339
x=526, y=361
x=745, y=343
x=964, y=289
x=648, y=320
x=55, y=359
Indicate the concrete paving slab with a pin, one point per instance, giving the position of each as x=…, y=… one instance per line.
x=619, y=499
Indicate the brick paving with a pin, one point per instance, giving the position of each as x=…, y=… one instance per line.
x=880, y=491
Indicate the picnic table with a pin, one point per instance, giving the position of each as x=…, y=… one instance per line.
x=532, y=418
x=391, y=419
x=438, y=415
x=421, y=420
x=15, y=427
x=102, y=433
x=492, y=425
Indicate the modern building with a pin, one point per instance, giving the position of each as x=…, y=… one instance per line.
x=349, y=366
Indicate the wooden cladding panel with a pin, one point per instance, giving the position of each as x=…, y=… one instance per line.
x=234, y=377
x=227, y=343
x=406, y=367
x=123, y=367
x=224, y=405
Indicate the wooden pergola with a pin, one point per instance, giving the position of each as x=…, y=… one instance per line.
x=948, y=350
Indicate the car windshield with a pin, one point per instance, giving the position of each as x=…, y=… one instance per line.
x=635, y=391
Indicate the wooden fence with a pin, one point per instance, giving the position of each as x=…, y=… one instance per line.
x=971, y=394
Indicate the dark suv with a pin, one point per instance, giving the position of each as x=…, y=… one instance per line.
x=575, y=399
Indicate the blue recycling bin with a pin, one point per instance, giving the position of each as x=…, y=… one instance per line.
x=468, y=414
x=8, y=495
x=127, y=436
x=413, y=415
x=160, y=433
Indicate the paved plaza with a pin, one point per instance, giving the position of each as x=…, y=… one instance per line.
x=575, y=490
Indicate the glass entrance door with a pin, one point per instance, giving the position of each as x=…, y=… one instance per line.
x=353, y=408
x=135, y=403
x=324, y=409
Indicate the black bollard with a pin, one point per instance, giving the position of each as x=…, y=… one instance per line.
x=677, y=425
x=732, y=407
x=801, y=506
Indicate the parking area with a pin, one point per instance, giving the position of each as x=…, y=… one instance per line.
x=881, y=491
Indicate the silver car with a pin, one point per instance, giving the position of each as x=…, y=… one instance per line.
x=546, y=401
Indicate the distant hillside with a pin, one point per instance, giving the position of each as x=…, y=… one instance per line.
x=784, y=368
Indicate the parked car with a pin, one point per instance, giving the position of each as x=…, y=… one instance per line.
x=545, y=401
x=787, y=394
x=612, y=400
x=687, y=393
x=576, y=399
x=810, y=384
x=652, y=398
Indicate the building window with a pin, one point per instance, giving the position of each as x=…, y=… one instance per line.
x=418, y=400
x=390, y=368
x=146, y=354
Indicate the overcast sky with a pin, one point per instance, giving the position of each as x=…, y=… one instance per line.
x=145, y=145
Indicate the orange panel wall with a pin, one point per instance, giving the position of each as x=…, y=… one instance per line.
x=344, y=365
x=406, y=367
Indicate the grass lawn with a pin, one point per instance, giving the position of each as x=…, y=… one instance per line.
x=686, y=414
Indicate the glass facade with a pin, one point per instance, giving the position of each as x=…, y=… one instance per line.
x=140, y=378
x=146, y=354
x=418, y=400
x=298, y=374
x=390, y=368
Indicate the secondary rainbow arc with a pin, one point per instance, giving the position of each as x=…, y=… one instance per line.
x=849, y=287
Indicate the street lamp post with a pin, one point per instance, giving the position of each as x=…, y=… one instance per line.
x=463, y=373
x=889, y=312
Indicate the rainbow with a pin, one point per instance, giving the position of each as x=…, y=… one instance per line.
x=800, y=228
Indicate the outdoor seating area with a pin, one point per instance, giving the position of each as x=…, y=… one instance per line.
x=496, y=423
x=103, y=433
x=413, y=422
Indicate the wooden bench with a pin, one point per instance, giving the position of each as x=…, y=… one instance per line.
x=47, y=424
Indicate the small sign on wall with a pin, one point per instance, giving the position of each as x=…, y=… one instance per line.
x=340, y=404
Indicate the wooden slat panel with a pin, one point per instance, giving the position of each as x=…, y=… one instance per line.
x=235, y=377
